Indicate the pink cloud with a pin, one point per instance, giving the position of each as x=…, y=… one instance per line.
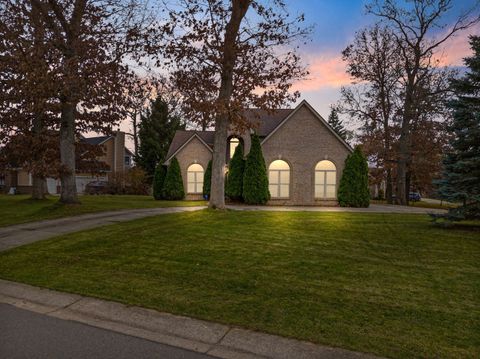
x=457, y=48
x=325, y=71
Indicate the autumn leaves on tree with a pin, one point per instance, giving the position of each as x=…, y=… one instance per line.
x=224, y=64
x=401, y=92
x=67, y=68
x=67, y=75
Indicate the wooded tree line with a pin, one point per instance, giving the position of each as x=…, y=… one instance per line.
x=401, y=92
x=69, y=66
x=66, y=67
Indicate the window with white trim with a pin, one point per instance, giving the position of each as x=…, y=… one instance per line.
x=195, y=179
x=279, y=179
x=325, y=180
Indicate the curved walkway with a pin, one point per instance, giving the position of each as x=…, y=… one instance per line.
x=374, y=208
x=20, y=234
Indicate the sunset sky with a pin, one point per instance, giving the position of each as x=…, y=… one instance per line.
x=335, y=23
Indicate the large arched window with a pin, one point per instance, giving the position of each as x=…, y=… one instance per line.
x=279, y=179
x=232, y=146
x=325, y=180
x=195, y=178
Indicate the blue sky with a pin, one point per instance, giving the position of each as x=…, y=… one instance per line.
x=335, y=23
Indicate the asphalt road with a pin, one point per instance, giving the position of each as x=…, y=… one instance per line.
x=25, y=334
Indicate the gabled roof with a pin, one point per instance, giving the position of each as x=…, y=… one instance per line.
x=183, y=137
x=95, y=140
x=317, y=116
x=265, y=123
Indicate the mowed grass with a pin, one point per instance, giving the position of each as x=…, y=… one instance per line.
x=21, y=209
x=389, y=284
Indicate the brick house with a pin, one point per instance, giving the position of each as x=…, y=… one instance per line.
x=303, y=154
x=116, y=158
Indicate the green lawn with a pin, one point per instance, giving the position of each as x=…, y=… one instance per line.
x=389, y=284
x=21, y=209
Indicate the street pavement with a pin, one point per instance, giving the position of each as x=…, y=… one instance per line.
x=25, y=334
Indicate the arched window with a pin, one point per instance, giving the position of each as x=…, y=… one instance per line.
x=232, y=146
x=325, y=180
x=279, y=179
x=195, y=178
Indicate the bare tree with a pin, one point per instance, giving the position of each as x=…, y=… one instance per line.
x=413, y=25
x=373, y=60
x=140, y=92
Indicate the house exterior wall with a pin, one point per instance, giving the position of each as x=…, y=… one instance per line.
x=119, y=152
x=108, y=157
x=23, y=178
x=194, y=152
x=302, y=142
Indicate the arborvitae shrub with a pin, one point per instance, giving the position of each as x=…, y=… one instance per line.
x=158, y=179
x=173, y=184
x=255, y=179
x=353, y=190
x=207, y=180
x=234, y=180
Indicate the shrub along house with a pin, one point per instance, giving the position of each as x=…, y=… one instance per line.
x=303, y=155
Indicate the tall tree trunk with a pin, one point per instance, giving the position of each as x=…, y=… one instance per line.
x=217, y=191
x=408, y=177
x=39, y=187
x=39, y=183
x=404, y=142
x=389, y=186
x=401, y=182
x=68, y=193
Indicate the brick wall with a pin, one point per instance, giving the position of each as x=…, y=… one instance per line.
x=194, y=152
x=302, y=142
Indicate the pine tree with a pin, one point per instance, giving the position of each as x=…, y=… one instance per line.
x=207, y=180
x=236, y=168
x=461, y=176
x=155, y=133
x=353, y=190
x=337, y=124
x=173, y=184
x=158, y=180
x=255, y=179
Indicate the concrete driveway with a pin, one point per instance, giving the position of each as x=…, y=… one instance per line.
x=374, y=208
x=21, y=234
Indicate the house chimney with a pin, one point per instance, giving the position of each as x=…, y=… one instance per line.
x=119, y=159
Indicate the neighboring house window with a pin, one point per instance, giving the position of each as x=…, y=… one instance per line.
x=128, y=160
x=233, y=143
x=279, y=179
x=325, y=180
x=195, y=178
